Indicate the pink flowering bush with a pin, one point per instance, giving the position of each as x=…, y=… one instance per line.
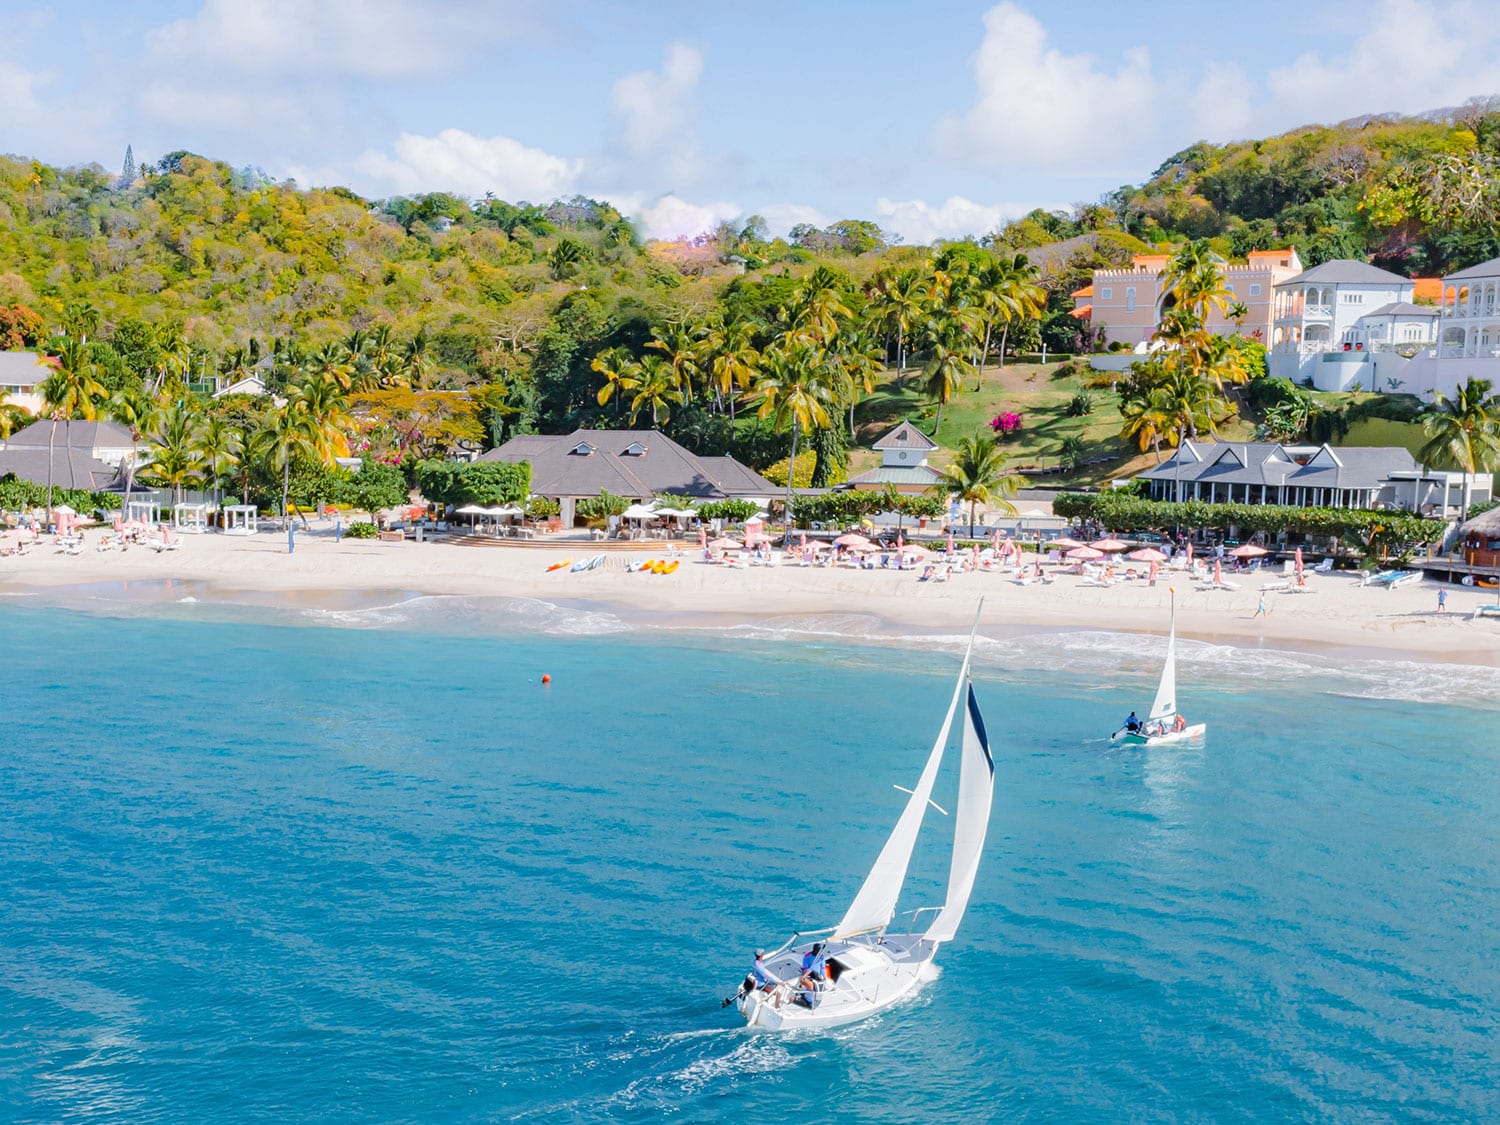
x=1005, y=423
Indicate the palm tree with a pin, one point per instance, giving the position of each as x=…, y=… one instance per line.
x=656, y=386
x=621, y=373
x=943, y=375
x=683, y=347
x=333, y=363
x=1009, y=294
x=11, y=416
x=73, y=389
x=1146, y=419
x=1463, y=432
x=733, y=361
x=176, y=453
x=220, y=444
x=794, y=387
x=285, y=436
x=417, y=360
x=978, y=476
x=895, y=306
x=137, y=411
x=328, y=416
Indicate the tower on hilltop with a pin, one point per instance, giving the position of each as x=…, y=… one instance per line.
x=128, y=172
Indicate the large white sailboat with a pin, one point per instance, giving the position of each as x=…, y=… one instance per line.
x=866, y=967
x=1164, y=725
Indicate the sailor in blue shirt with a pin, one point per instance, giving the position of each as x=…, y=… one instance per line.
x=763, y=976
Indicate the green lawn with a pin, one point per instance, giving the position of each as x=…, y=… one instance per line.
x=1032, y=390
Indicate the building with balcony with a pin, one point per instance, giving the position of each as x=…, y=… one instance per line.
x=1127, y=303
x=1470, y=326
x=1343, y=323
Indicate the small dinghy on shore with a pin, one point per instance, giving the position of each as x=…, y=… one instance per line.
x=859, y=967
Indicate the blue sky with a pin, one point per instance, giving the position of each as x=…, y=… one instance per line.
x=934, y=119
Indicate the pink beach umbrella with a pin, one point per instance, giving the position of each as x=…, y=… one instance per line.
x=1218, y=572
x=1109, y=544
x=1147, y=555
x=1082, y=552
x=1298, y=565
x=1066, y=544
x=900, y=540
x=724, y=543
x=851, y=540
x=1248, y=551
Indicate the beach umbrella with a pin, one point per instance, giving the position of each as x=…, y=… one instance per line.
x=724, y=544
x=1109, y=545
x=1147, y=554
x=1298, y=565
x=64, y=510
x=1066, y=544
x=913, y=551
x=638, y=512
x=1082, y=552
x=851, y=540
x=1248, y=551
x=469, y=510
x=1218, y=572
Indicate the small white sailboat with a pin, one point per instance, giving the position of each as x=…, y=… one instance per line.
x=866, y=968
x=1164, y=725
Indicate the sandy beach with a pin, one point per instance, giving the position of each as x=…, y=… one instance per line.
x=1337, y=613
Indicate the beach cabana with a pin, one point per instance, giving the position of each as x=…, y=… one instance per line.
x=241, y=519
x=147, y=512
x=190, y=517
x=1480, y=540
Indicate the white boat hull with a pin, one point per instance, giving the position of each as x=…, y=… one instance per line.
x=881, y=973
x=1133, y=738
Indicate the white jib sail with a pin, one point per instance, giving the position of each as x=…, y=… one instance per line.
x=875, y=904
x=976, y=786
x=1165, y=706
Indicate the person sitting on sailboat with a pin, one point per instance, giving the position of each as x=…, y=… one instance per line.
x=1179, y=724
x=1133, y=723
x=764, y=978
x=814, y=967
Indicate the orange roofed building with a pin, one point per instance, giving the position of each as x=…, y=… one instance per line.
x=1126, y=303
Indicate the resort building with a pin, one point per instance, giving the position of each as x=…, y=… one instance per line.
x=1127, y=303
x=103, y=441
x=20, y=375
x=903, y=463
x=636, y=464
x=1334, y=322
x=1312, y=476
x=1479, y=540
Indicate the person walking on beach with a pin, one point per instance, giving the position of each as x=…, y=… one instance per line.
x=1260, y=608
x=1442, y=601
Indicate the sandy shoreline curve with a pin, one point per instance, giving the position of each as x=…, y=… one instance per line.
x=1337, y=615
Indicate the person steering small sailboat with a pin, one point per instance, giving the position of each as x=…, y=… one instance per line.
x=860, y=967
x=1164, y=724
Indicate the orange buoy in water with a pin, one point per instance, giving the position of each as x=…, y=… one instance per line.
x=546, y=679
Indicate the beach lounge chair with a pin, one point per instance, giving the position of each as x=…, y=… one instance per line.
x=1485, y=611
x=1323, y=567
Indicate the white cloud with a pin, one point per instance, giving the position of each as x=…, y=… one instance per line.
x=919, y=222
x=1437, y=54
x=458, y=161
x=782, y=217
x=1039, y=106
x=365, y=38
x=653, y=113
x=674, y=217
x=18, y=88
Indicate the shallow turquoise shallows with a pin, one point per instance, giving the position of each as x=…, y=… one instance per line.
x=260, y=866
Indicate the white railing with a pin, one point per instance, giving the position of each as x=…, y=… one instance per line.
x=1321, y=311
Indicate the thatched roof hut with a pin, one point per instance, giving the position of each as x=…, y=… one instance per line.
x=1480, y=538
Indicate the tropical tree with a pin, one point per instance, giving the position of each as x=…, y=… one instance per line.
x=944, y=374
x=733, y=360
x=1009, y=294
x=72, y=390
x=794, y=388
x=220, y=445
x=683, y=348
x=175, y=449
x=656, y=386
x=286, y=436
x=621, y=373
x=894, y=307
x=135, y=409
x=11, y=416
x=978, y=475
x=1463, y=432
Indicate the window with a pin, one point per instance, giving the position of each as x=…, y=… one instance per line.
x=1106, y=294
x=1352, y=298
x=635, y=449
x=1255, y=289
x=1130, y=300
x=583, y=449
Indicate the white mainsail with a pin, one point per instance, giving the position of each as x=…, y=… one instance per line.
x=976, y=784
x=1165, y=706
x=875, y=904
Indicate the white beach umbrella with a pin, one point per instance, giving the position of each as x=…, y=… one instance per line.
x=639, y=512
x=469, y=510
x=64, y=510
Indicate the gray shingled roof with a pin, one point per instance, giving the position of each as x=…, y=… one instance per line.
x=1483, y=269
x=75, y=434
x=924, y=475
x=22, y=369
x=71, y=468
x=662, y=466
x=1405, y=308
x=905, y=436
x=1269, y=463
x=1346, y=271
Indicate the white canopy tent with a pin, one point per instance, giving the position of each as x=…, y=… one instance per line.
x=147, y=512
x=241, y=519
x=190, y=517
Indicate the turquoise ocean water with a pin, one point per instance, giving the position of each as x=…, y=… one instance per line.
x=360, y=865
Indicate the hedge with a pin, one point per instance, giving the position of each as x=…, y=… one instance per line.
x=16, y=494
x=1124, y=512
